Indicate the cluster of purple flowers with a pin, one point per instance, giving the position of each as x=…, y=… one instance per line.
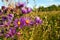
x=23, y=8
x=10, y=22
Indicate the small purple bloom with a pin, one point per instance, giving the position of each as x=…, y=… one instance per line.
x=4, y=18
x=19, y=22
x=26, y=21
x=24, y=11
x=8, y=23
x=20, y=4
x=7, y=35
x=38, y=20
x=10, y=17
x=15, y=23
x=29, y=10
x=12, y=31
x=23, y=21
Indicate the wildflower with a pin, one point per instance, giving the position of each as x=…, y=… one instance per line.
x=24, y=11
x=20, y=4
x=27, y=20
x=8, y=23
x=15, y=23
x=4, y=18
x=10, y=17
x=29, y=10
x=23, y=21
x=12, y=31
x=38, y=20
x=7, y=35
x=19, y=22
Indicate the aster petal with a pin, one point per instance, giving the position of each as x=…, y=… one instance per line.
x=24, y=10
x=29, y=9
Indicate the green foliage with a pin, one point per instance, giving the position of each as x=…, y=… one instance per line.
x=49, y=30
x=50, y=8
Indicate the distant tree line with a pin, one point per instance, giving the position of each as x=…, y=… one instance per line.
x=50, y=8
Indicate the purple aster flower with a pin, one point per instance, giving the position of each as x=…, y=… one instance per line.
x=7, y=35
x=10, y=17
x=24, y=11
x=19, y=22
x=23, y=21
x=8, y=23
x=29, y=10
x=12, y=31
x=38, y=20
x=26, y=21
x=15, y=23
x=4, y=18
x=20, y=4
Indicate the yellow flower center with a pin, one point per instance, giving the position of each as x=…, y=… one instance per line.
x=18, y=22
x=27, y=21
